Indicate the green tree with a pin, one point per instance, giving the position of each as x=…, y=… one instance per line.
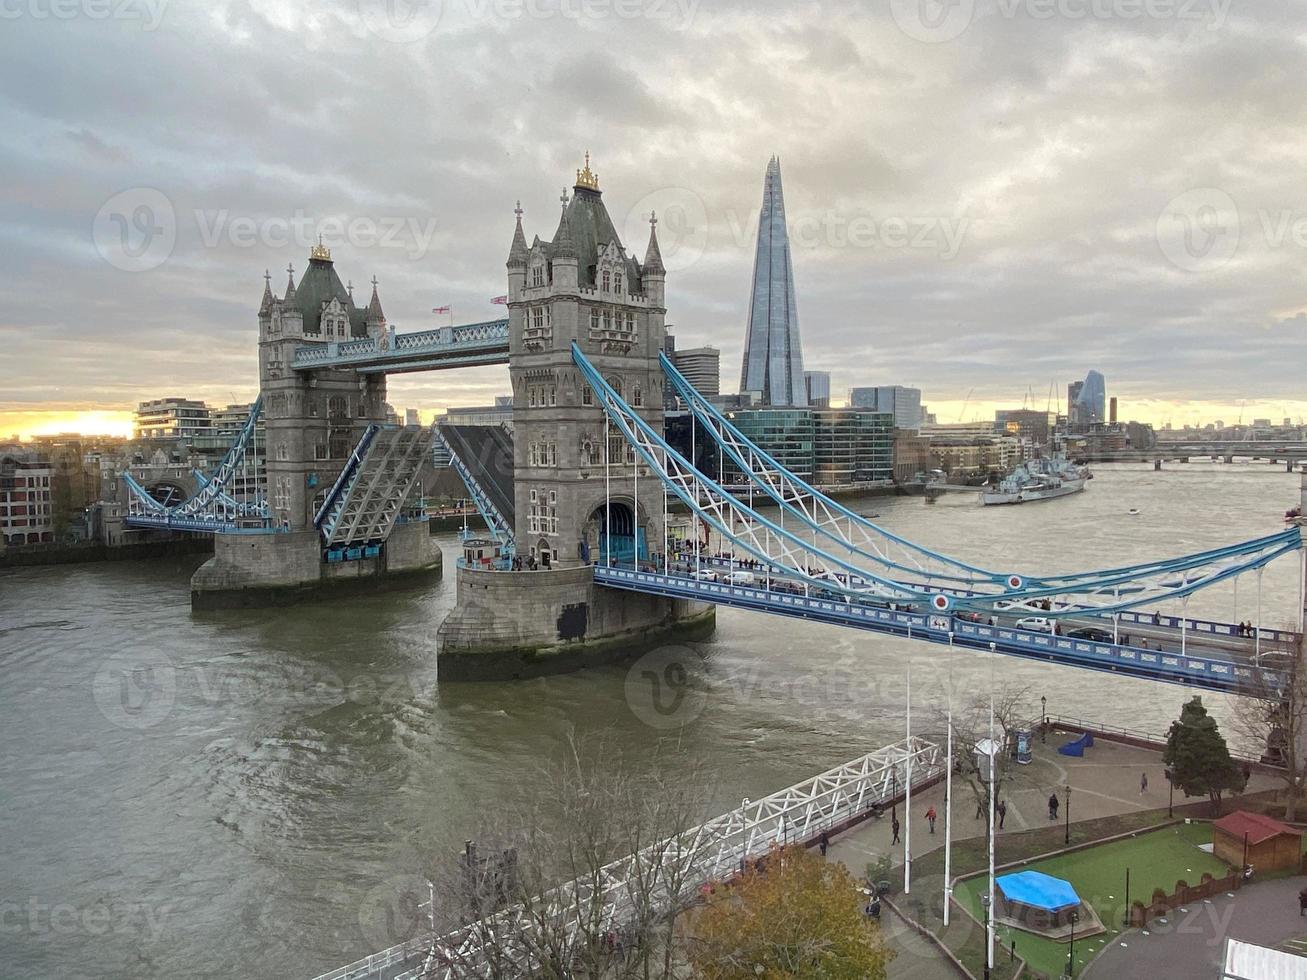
x=796, y=918
x=1198, y=758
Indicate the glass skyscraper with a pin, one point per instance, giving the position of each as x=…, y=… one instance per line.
x=773, y=359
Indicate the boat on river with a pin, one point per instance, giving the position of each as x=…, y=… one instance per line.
x=1038, y=479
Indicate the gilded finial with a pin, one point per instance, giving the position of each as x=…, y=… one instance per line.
x=563, y=197
x=586, y=178
x=320, y=251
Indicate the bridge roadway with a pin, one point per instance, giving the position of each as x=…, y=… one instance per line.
x=1214, y=658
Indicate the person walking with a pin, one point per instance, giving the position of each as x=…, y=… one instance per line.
x=930, y=818
x=1143, y=783
x=894, y=827
x=1001, y=810
x=1302, y=903
x=1052, y=806
x=823, y=843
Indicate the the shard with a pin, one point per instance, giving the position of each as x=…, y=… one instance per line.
x=773, y=359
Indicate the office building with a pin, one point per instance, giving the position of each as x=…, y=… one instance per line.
x=817, y=386
x=784, y=433
x=1028, y=423
x=411, y=417
x=172, y=418
x=702, y=367
x=773, y=357
x=1087, y=400
x=26, y=503
x=903, y=403
x=851, y=446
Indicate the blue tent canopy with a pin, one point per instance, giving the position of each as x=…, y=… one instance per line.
x=1036, y=889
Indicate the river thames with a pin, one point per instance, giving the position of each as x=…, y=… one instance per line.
x=245, y=794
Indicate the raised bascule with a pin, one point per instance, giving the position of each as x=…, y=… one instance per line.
x=582, y=569
x=576, y=500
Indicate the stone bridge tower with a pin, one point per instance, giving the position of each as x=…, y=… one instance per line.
x=583, y=286
x=312, y=420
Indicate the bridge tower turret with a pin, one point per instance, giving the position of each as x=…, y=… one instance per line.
x=583, y=286
x=312, y=420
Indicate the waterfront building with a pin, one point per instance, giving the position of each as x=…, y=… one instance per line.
x=784, y=433
x=960, y=431
x=773, y=357
x=1028, y=423
x=26, y=501
x=901, y=402
x=851, y=446
x=411, y=417
x=817, y=387
x=172, y=418
x=702, y=367
x=911, y=455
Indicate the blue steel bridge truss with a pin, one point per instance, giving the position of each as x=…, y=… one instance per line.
x=832, y=565
x=212, y=508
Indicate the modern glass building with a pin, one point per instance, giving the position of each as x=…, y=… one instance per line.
x=851, y=446
x=901, y=402
x=773, y=359
x=826, y=446
x=1087, y=400
x=817, y=384
x=786, y=434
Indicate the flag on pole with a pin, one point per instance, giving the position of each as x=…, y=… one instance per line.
x=441, y=309
x=499, y=300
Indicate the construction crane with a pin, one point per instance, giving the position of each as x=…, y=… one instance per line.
x=965, y=402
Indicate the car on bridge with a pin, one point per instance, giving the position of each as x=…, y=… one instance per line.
x=1092, y=633
x=1039, y=624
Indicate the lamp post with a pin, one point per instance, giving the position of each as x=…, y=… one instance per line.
x=1071, y=952
x=1170, y=798
x=1068, y=814
x=1043, y=718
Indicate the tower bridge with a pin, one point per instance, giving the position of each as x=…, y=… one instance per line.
x=577, y=501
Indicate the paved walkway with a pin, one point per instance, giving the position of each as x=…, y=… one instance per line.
x=1104, y=782
x=1191, y=942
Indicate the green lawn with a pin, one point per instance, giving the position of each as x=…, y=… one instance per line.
x=1156, y=859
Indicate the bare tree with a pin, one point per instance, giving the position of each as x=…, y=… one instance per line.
x=971, y=727
x=1272, y=715
x=588, y=878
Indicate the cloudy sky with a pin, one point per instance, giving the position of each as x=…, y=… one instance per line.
x=985, y=198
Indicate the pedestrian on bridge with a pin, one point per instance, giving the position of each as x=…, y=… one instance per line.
x=930, y=818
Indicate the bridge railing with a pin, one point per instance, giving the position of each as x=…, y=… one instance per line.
x=491, y=333
x=798, y=814
x=1187, y=668
x=1133, y=734
x=1204, y=626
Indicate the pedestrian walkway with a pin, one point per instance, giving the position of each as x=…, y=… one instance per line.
x=1190, y=941
x=1104, y=782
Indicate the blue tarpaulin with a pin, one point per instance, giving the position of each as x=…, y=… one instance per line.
x=1077, y=748
x=1038, y=890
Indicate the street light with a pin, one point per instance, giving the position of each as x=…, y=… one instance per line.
x=1068, y=814
x=1071, y=952
x=1170, y=799
x=1043, y=718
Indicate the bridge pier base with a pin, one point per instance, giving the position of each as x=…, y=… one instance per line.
x=515, y=625
x=252, y=570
